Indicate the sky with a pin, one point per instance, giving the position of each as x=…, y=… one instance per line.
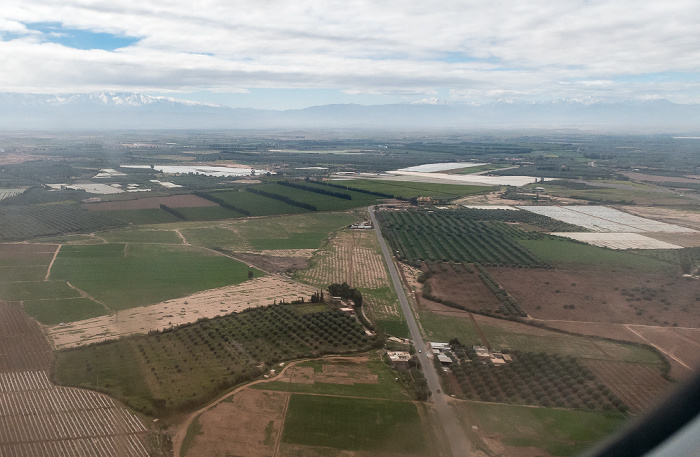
x=293, y=54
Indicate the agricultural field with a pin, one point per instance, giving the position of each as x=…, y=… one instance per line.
x=320, y=201
x=26, y=222
x=533, y=379
x=141, y=216
x=39, y=418
x=354, y=424
x=598, y=296
x=262, y=291
x=7, y=193
x=452, y=236
x=604, y=219
x=184, y=367
x=517, y=430
x=281, y=414
x=407, y=189
x=617, y=240
x=126, y=275
x=257, y=205
x=173, y=201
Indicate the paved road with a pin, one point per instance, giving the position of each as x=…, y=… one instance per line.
x=455, y=435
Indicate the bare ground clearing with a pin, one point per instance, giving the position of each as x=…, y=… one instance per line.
x=208, y=304
x=592, y=296
x=258, y=416
x=462, y=286
x=333, y=371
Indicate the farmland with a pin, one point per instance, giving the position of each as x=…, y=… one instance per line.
x=453, y=236
x=127, y=275
x=540, y=379
x=39, y=418
x=401, y=189
x=187, y=366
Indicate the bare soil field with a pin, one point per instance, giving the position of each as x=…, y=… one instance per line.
x=462, y=287
x=17, y=251
x=590, y=296
x=39, y=418
x=173, y=201
x=246, y=424
x=333, y=371
x=689, y=219
x=211, y=303
x=273, y=263
x=639, y=386
x=685, y=240
x=23, y=346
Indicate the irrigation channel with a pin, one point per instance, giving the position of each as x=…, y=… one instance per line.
x=455, y=435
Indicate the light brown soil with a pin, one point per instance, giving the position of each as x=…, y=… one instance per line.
x=211, y=303
x=595, y=299
x=247, y=424
x=639, y=386
x=333, y=371
x=27, y=251
x=173, y=201
x=655, y=178
x=689, y=219
x=272, y=263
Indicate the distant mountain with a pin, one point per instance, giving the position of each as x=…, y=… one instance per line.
x=138, y=111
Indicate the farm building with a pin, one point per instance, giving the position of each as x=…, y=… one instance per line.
x=399, y=358
x=439, y=346
x=482, y=352
x=362, y=225
x=445, y=360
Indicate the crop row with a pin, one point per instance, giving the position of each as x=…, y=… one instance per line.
x=24, y=222
x=508, y=305
x=186, y=366
x=448, y=236
x=534, y=379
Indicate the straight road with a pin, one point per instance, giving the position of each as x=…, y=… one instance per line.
x=455, y=435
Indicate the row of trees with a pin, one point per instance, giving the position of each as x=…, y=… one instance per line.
x=282, y=198
x=222, y=203
x=317, y=190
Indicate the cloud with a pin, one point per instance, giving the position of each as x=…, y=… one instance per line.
x=485, y=50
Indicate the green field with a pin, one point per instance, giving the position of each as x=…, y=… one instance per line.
x=142, y=236
x=183, y=368
x=257, y=205
x=414, y=189
x=386, y=387
x=556, y=431
x=127, y=275
x=22, y=272
x=52, y=312
x=320, y=201
x=36, y=290
x=532, y=339
x=563, y=253
x=207, y=213
x=354, y=424
x=141, y=216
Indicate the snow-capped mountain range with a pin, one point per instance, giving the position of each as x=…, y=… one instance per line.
x=138, y=111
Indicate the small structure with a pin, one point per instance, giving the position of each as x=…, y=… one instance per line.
x=362, y=225
x=399, y=358
x=348, y=310
x=445, y=360
x=482, y=352
x=439, y=346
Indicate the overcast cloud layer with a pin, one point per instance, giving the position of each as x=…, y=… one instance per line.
x=462, y=50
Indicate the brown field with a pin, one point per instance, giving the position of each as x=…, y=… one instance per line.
x=639, y=386
x=593, y=295
x=39, y=418
x=23, y=347
x=672, y=216
x=463, y=287
x=210, y=303
x=333, y=371
x=18, y=251
x=173, y=201
x=246, y=424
